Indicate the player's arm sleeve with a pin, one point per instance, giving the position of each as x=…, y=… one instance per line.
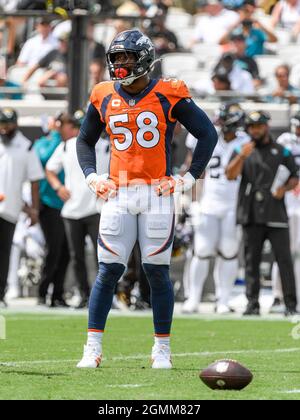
x=199, y=125
x=89, y=134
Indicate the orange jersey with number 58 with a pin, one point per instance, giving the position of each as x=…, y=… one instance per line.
x=140, y=128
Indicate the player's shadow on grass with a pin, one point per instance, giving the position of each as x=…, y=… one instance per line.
x=28, y=373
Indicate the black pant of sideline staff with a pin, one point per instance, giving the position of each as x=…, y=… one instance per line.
x=57, y=256
x=6, y=238
x=76, y=231
x=254, y=237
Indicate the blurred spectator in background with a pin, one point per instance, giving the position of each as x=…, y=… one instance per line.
x=18, y=163
x=218, y=83
x=79, y=211
x=238, y=47
x=214, y=23
x=283, y=91
x=164, y=40
x=9, y=5
x=55, y=63
x=39, y=45
x=121, y=25
x=96, y=72
x=129, y=8
x=255, y=33
x=286, y=13
x=158, y=7
x=7, y=84
x=57, y=253
x=96, y=49
x=31, y=4
x=241, y=80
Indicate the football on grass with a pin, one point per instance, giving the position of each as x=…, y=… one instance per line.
x=226, y=374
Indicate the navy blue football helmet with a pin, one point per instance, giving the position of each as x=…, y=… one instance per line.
x=133, y=41
x=231, y=117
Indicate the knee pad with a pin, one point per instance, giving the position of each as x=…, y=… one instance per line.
x=109, y=274
x=111, y=244
x=203, y=248
x=157, y=275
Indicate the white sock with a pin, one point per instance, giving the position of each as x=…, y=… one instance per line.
x=225, y=274
x=198, y=273
x=162, y=340
x=94, y=338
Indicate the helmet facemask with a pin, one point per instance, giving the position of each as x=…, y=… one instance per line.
x=127, y=72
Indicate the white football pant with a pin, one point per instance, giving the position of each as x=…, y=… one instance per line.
x=137, y=213
x=214, y=236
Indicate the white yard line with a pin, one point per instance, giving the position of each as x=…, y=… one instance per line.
x=128, y=386
x=147, y=356
x=292, y=391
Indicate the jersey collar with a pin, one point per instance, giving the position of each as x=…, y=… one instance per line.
x=134, y=99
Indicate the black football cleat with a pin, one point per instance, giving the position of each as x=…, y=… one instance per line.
x=252, y=309
x=290, y=312
x=3, y=304
x=59, y=303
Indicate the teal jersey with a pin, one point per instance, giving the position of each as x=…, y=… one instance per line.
x=45, y=147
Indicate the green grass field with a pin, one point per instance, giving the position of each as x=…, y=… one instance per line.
x=38, y=359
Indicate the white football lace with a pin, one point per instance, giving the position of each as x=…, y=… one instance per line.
x=92, y=352
x=161, y=352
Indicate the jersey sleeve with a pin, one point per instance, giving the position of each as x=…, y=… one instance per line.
x=98, y=94
x=174, y=90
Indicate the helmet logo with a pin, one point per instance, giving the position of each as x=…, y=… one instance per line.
x=144, y=40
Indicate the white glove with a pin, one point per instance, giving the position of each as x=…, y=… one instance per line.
x=101, y=185
x=177, y=183
x=184, y=183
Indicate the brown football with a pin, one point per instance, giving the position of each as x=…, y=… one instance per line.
x=226, y=374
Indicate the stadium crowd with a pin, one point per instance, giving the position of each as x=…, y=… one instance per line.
x=237, y=49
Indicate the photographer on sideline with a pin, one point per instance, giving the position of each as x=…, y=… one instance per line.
x=268, y=171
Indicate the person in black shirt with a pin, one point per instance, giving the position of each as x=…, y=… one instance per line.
x=267, y=171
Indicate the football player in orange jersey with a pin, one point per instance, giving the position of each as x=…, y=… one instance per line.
x=139, y=115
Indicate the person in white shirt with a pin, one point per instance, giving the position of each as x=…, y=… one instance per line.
x=214, y=24
x=287, y=14
x=215, y=230
x=291, y=141
x=241, y=80
x=18, y=163
x=39, y=45
x=80, y=211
